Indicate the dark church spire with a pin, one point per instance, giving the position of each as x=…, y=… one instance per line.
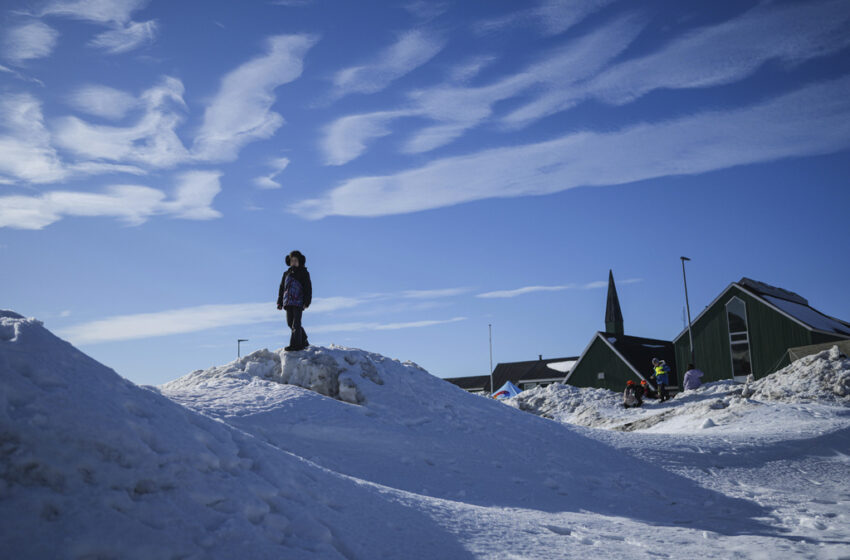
x=613, y=314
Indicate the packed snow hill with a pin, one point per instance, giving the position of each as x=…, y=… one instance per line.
x=341, y=453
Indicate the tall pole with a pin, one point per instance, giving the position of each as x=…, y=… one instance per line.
x=490, y=328
x=688, y=306
x=239, y=342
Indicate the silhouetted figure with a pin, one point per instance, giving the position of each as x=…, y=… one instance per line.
x=295, y=295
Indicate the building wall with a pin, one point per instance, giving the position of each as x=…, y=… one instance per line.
x=770, y=335
x=601, y=359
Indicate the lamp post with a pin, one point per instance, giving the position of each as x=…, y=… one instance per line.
x=239, y=342
x=688, y=306
x=490, y=329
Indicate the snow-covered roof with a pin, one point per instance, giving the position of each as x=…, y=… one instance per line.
x=563, y=367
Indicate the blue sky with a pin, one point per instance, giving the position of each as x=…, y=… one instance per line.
x=444, y=166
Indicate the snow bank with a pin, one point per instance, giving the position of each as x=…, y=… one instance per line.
x=566, y=403
x=335, y=372
x=824, y=377
x=270, y=457
x=93, y=466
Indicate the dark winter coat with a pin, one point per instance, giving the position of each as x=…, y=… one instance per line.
x=302, y=276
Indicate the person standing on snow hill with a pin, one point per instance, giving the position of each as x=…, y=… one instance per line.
x=295, y=295
x=631, y=396
x=693, y=378
x=661, y=370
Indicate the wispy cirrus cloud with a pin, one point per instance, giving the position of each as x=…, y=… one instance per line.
x=524, y=290
x=347, y=138
x=102, y=101
x=26, y=152
x=29, y=41
x=436, y=293
x=151, y=141
x=185, y=320
x=809, y=121
x=26, y=149
x=204, y=317
x=126, y=37
x=375, y=326
x=268, y=181
x=551, y=17
x=98, y=11
x=124, y=33
x=499, y=294
x=582, y=69
x=411, y=50
x=709, y=56
x=240, y=112
x=133, y=204
x=457, y=108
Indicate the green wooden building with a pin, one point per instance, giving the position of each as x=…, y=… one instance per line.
x=749, y=328
x=613, y=357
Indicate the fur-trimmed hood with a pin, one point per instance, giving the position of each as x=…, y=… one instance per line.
x=302, y=260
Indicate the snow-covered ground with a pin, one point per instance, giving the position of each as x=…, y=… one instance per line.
x=341, y=453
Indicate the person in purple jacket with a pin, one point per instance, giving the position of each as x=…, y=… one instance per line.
x=295, y=295
x=693, y=378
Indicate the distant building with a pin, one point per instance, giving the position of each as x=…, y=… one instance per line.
x=612, y=358
x=534, y=373
x=750, y=327
x=478, y=384
x=524, y=375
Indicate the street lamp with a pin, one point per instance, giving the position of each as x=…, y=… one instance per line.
x=490, y=328
x=239, y=342
x=688, y=306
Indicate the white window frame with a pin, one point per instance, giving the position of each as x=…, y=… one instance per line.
x=731, y=342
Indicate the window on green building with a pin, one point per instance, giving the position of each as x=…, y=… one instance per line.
x=739, y=338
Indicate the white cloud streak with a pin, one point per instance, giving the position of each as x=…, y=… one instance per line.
x=367, y=326
x=25, y=149
x=29, y=41
x=813, y=120
x=186, y=320
x=580, y=70
x=98, y=11
x=346, y=138
x=550, y=16
x=152, y=141
x=124, y=34
x=133, y=204
x=241, y=110
x=525, y=290
x=126, y=38
x=433, y=294
x=411, y=50
x=268, y=181
x=102, y=101
x=709, y=56
x=500, y=294
x=458, y=108
x=204, y=317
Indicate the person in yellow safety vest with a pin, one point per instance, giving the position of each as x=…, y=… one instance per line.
x=661, y=370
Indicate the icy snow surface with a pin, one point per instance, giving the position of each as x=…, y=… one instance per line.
x=341, y=453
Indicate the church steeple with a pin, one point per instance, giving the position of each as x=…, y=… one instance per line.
x=613, y=314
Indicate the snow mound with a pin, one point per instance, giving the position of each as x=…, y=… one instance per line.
x=93, y=466
x=824, y=376
x=233, y=462
x=336, y=372
x=584, y=406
